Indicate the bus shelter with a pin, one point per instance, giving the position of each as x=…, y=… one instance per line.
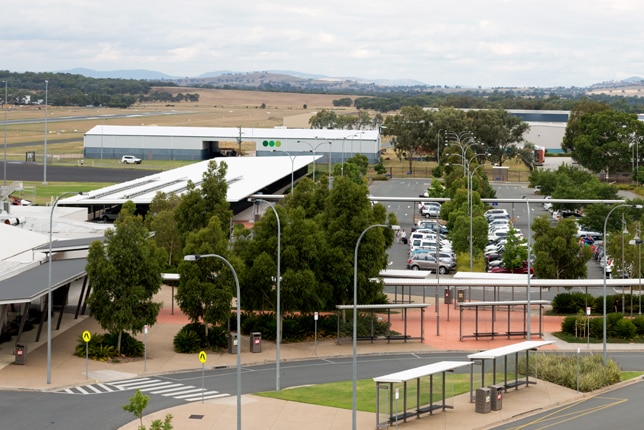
x=398, y=307
x=417, y=399
x=503, y=352
x=492, y=306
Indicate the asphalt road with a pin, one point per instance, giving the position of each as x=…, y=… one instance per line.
x=63, y=411
x=20, y=171
x=618, y=409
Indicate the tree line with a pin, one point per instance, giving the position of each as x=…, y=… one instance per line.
x=319, y=230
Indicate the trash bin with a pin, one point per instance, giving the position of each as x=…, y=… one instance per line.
x=256, y=342
x=233, y=343
x=482, y=401
x=448, y=297
x=460, y=296
x=496, y=397
x=21, y=354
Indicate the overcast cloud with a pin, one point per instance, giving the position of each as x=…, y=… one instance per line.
x=460, y=42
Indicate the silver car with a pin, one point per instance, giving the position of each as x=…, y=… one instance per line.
x=422, y=261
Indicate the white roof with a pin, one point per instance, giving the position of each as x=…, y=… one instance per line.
x=245, y=176
x=232, y=133
x=508, y=282
x=403, y=273
x=419, y=372
x=509, y=349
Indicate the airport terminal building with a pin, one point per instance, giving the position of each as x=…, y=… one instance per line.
x=204, y=143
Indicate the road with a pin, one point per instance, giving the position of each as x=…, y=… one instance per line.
x=63, y=410
x=20, y=171
x=617, y=409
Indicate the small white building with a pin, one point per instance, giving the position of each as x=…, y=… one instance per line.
x=204, y=143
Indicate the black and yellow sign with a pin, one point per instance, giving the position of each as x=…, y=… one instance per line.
x=203, y=357
x=86, y=336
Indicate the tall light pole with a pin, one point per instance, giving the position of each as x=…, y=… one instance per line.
x=278, y=331
x=438, y=147
x=292, y=157
x=313, y=149
x=527, y=202
x=44, y=180
x=232, y=269
x=605, y=243
x=49, y=281
x=355, y=323
x=471, y=207
x=4, y=106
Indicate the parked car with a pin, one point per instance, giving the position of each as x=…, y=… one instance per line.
x=428, y=262
x=488, y=214
x=523, y=269
x=429, y=209
x=130, y=159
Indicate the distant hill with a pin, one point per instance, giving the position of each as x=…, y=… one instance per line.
x=149, y=75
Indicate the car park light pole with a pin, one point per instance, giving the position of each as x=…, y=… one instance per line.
x=355, y=320
x=232, y=269
x=605, y=239
x=44, y=179
x=49, y=281
x=313, y=149
x=4, y=107
x=278, y=329
x=529, y=309
x=292, y=157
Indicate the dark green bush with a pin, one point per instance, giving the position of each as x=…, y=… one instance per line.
x=130, y=346
x=218, y=337
x=187, y=341
x=625, y=329
x=571, y=303
x=97, y=348
x=639, y=324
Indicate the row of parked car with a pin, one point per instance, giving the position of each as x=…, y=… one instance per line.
x=429, y=247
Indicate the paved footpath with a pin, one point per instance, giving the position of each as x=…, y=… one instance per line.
x=260, y=413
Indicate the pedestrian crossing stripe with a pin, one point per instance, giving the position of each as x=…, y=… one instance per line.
x=188, y=393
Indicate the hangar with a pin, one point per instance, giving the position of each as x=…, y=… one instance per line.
x=203, y=143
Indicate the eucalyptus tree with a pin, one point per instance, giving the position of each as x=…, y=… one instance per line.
x=125, y=274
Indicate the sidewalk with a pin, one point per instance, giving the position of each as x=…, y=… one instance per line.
x=69, y=370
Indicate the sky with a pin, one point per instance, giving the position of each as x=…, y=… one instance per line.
x=469, y=43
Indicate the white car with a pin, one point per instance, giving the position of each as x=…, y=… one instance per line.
x=130, y=159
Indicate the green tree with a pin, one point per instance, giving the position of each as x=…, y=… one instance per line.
x=207, y=286
x=604, y=141
x=573, y=127
x=499, y=131
x=515, y=253
x=137, y=404
x=125, y=274
x=160, y=219
x=199, y=204
x=411, y=131
x=557, y=250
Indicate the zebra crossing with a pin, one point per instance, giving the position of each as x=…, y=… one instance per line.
x=189, y=393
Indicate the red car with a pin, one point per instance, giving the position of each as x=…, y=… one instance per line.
x=520, y=270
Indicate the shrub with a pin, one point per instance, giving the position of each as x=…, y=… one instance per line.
x=625, y=329
x=97, y=348
x=571, y=303
x=562, y=370
x=188, y=340
x=218, y=337
x=639, y=324
x=130, y=346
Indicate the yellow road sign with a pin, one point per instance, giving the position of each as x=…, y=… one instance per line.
x=203, y=357
x=86, y=336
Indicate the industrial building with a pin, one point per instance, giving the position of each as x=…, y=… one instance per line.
x=204, y=143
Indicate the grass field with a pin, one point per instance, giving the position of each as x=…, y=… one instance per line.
x=216, y=108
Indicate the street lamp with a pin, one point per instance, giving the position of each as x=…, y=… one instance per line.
x=471, y=206
x=527, y=202
x=355, y=318
x=232, y=269
x=438, y=147
x=49, y=286
x=637, y=241
x=292, y=157
x=605, y=264
x=278, y=330
x=4, y=106
x=44, y=180
x=313, y=149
